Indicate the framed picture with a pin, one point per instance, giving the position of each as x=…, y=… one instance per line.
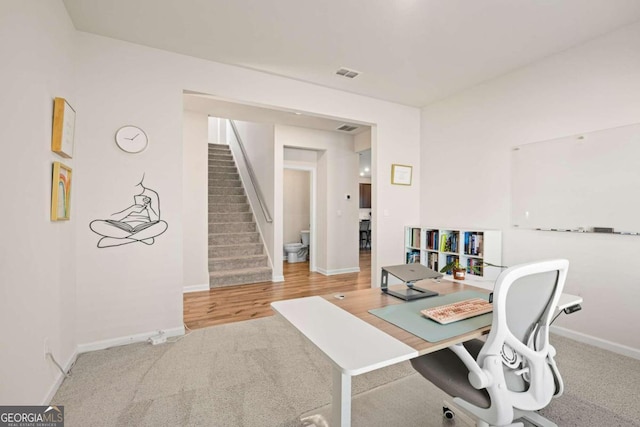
x=60, y=192
x=64, y=124
x=401, y=174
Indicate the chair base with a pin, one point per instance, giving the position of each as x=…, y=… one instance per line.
x=531, y=417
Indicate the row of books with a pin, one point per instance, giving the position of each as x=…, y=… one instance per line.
x=414, y=238
x=474, y=266
x=449, y=242
x=413, y=257
x=432, y=261
x=473, y=243
x=432, y=239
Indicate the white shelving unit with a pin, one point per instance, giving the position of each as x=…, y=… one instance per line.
x=436, y=247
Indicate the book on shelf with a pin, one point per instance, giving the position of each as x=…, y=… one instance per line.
x=432, y=239
x=473, y=243
x=413, y=257
x=475, y=266
x=449, y=242
x=432, y=261
x=415, y=237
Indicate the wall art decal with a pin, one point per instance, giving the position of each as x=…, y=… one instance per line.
x=138, y=223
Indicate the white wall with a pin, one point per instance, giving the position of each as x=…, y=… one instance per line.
x=195, y=257
x=37, y=256
x=296, y=204
x=362, y=141
x=586, y=88
x=337, y=218
x=136, y=290
x=217, y=130
x=258, y=140
x=124, y=294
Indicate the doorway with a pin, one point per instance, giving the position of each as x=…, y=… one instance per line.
x=299, y=208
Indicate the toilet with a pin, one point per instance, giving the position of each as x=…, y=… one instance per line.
x=297, y=252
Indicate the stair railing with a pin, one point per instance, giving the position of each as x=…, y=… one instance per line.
x=252, y=176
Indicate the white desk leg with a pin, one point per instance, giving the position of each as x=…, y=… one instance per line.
x=341, y=399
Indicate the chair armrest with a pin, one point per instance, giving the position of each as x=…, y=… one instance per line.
x=478, y=377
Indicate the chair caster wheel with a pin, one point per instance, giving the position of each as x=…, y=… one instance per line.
x=448, y=413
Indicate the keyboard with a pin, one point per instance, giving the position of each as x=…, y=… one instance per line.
x=460, y=310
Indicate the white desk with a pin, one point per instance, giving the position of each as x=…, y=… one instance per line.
x=352, y=345
x=355, y=346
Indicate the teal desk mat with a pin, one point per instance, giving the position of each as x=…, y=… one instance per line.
x=407, y=316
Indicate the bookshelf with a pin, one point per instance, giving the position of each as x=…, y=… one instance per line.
x=436, y=247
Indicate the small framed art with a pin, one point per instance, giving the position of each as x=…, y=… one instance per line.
x=60, y=192
x=401, y=174
x=64, y=124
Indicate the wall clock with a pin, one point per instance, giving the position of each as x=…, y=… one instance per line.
x=131, y=139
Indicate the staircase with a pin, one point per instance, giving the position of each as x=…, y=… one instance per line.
x=236, y=252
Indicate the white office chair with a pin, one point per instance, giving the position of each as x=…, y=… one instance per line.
x=513, y=373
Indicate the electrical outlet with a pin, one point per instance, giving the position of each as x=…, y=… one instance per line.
x=46, y=347
x=158, y=339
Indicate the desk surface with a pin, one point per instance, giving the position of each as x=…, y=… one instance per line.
x=359, y=302
x=352, y=344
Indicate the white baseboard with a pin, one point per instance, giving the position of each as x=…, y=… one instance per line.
x=196, y=288
x=275, y=278
x=114, y=342
x=59, y=378
x=338, y=271
x=597, y=342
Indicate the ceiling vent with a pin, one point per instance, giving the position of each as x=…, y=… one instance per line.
x=347, y=128
x=345, y=72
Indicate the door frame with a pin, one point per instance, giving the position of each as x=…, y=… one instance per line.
x=312, y=169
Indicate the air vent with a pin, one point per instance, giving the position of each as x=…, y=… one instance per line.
x=345, y=72
x=347, y=128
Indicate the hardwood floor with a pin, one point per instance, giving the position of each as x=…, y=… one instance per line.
x=235, y=303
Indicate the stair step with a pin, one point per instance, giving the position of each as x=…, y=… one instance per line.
x=220, y=156
x=214, y=199
x=226, y=191
x=215, y=164
x=223, y=169
x=220, y=279
x=213, y=174
x=231, y=217
x=224, y=239
x=231, y=227
x=237, y=263
x=228, y=207
x=225, y=182
x=236, y=250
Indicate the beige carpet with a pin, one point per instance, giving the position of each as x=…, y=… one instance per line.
x=262, y=373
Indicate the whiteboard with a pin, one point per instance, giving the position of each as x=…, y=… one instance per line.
x=578, y=182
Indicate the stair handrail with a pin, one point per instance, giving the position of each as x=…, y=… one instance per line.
x=252, y=176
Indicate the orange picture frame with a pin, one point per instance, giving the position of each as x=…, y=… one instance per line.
x=61, y=192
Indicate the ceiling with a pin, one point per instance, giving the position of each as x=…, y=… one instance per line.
x=214, y=107
x=231, y=110
x=413, y=52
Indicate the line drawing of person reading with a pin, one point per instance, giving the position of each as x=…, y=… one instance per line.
x=139, y=222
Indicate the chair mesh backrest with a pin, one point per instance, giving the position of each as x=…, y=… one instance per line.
x=528, y=302
x=524, y=301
